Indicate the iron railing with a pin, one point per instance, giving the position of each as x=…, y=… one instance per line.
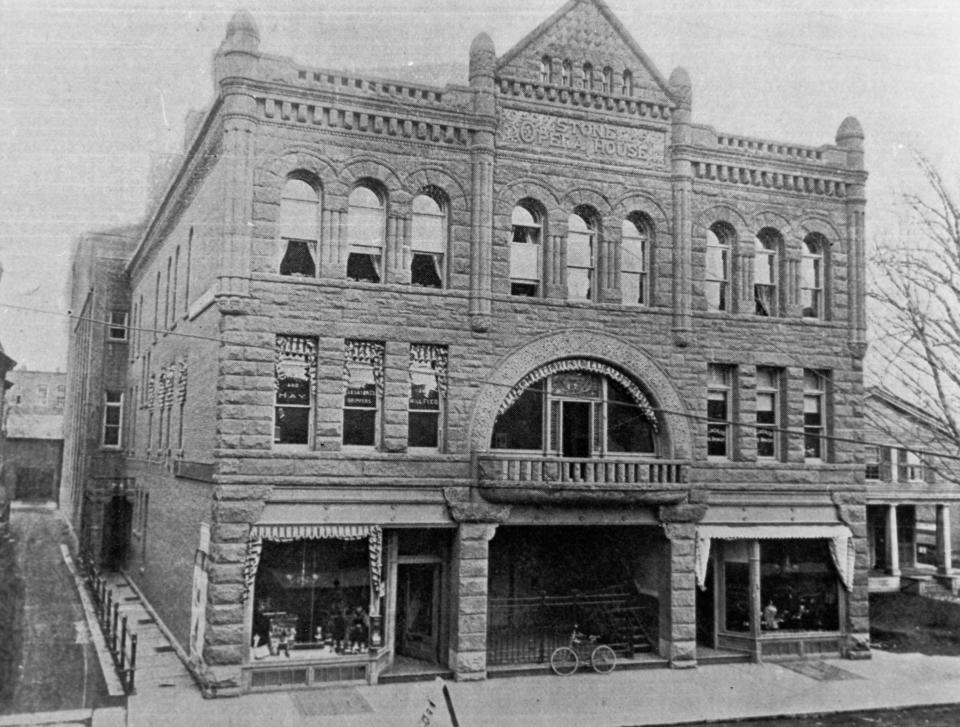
x=120, y=640
x=526, y=630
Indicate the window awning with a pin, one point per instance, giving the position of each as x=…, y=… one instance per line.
x=839, y=536
x=287, y=533
x=310, y=532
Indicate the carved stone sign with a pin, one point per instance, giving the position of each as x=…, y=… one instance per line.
x=589, y=139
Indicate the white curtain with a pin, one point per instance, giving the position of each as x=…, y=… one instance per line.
x=839, y=537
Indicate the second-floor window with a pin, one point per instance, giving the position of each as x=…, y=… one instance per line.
x=117, y=330
x=112, y=418
x=768, y=412
x=296, y=362
x=363, y=375
x=910, y=466
x=428, y=383
x=814, y=414
x=428, y=235
x=877, y=461
x=299, y=225
x=366, y=226
x=719, y=410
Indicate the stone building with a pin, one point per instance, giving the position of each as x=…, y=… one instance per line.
x=913, y=497
x=34, y=425
x=420, y=378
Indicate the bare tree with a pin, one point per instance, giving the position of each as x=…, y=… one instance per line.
x=915, y=308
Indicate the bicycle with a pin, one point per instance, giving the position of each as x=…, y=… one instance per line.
x=565, y=660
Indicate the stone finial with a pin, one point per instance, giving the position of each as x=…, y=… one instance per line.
x=483, y=58
x=850, y=137
x=850, y=133
x=681, y=87
x=240, y=48
x=242, y=33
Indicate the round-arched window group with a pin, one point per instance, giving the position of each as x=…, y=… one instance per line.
x=769, y=275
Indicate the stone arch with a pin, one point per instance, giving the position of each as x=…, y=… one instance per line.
x=587, y=197
x=677, y=436
x=425, y=177
x=360, y=168
x=775, y=220
x=276, y=168
x=822, y=225
x=518, y=189
x=645, y=204
x=721, y=213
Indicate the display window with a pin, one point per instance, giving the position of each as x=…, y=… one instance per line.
x=313, y=596
x=799, y=586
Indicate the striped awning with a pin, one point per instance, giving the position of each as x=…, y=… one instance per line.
x=310, y=532
x=838, y=536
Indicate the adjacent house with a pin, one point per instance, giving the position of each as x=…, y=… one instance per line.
x=912, y=473
x=403, y=379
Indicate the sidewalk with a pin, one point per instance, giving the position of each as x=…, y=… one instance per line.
x=166, y=695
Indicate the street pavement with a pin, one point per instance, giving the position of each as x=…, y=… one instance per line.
x=58, y=669
x=166, y=695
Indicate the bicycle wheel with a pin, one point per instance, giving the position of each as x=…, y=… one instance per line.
x=564, y=661
x=603, y=659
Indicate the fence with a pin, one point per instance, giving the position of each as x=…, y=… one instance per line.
x=526, y=630
x=120, y=640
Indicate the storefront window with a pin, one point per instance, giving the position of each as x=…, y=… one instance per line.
x=312, y=594
x=798, y=586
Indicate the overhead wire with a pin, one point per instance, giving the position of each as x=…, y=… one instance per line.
x=337, y=358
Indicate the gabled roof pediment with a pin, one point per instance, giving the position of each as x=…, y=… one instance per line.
x=585, y=31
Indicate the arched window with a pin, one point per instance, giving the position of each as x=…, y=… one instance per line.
x=566, y=73
x=766, y=272
x=428, y=231
x=546, y=70
x=812, y=272
x=607, y=79
x=526, y=229
x=626, y=88
x=634, y=243
x=719, y=237
x=581, y=244
x=587, y=79
x=298, y=224
x=577, y=414
x=365, y=224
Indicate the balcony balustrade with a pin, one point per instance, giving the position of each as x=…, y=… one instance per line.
x=515, y=469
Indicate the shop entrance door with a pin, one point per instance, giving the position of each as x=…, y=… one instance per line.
x=418, y=610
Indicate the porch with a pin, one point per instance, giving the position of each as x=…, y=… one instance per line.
x=909, y=552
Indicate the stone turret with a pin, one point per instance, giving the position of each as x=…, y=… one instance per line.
x=240, y=48
x=483, y=64
x=682, y=91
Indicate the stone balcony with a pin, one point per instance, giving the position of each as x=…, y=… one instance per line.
x=523, y=478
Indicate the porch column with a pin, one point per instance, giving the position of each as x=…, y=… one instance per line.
x=944, y=551
x=468, y=642
x=893, y=547
x=756, y=605
x=678, y=600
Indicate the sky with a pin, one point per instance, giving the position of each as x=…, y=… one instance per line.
x=92, y=93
